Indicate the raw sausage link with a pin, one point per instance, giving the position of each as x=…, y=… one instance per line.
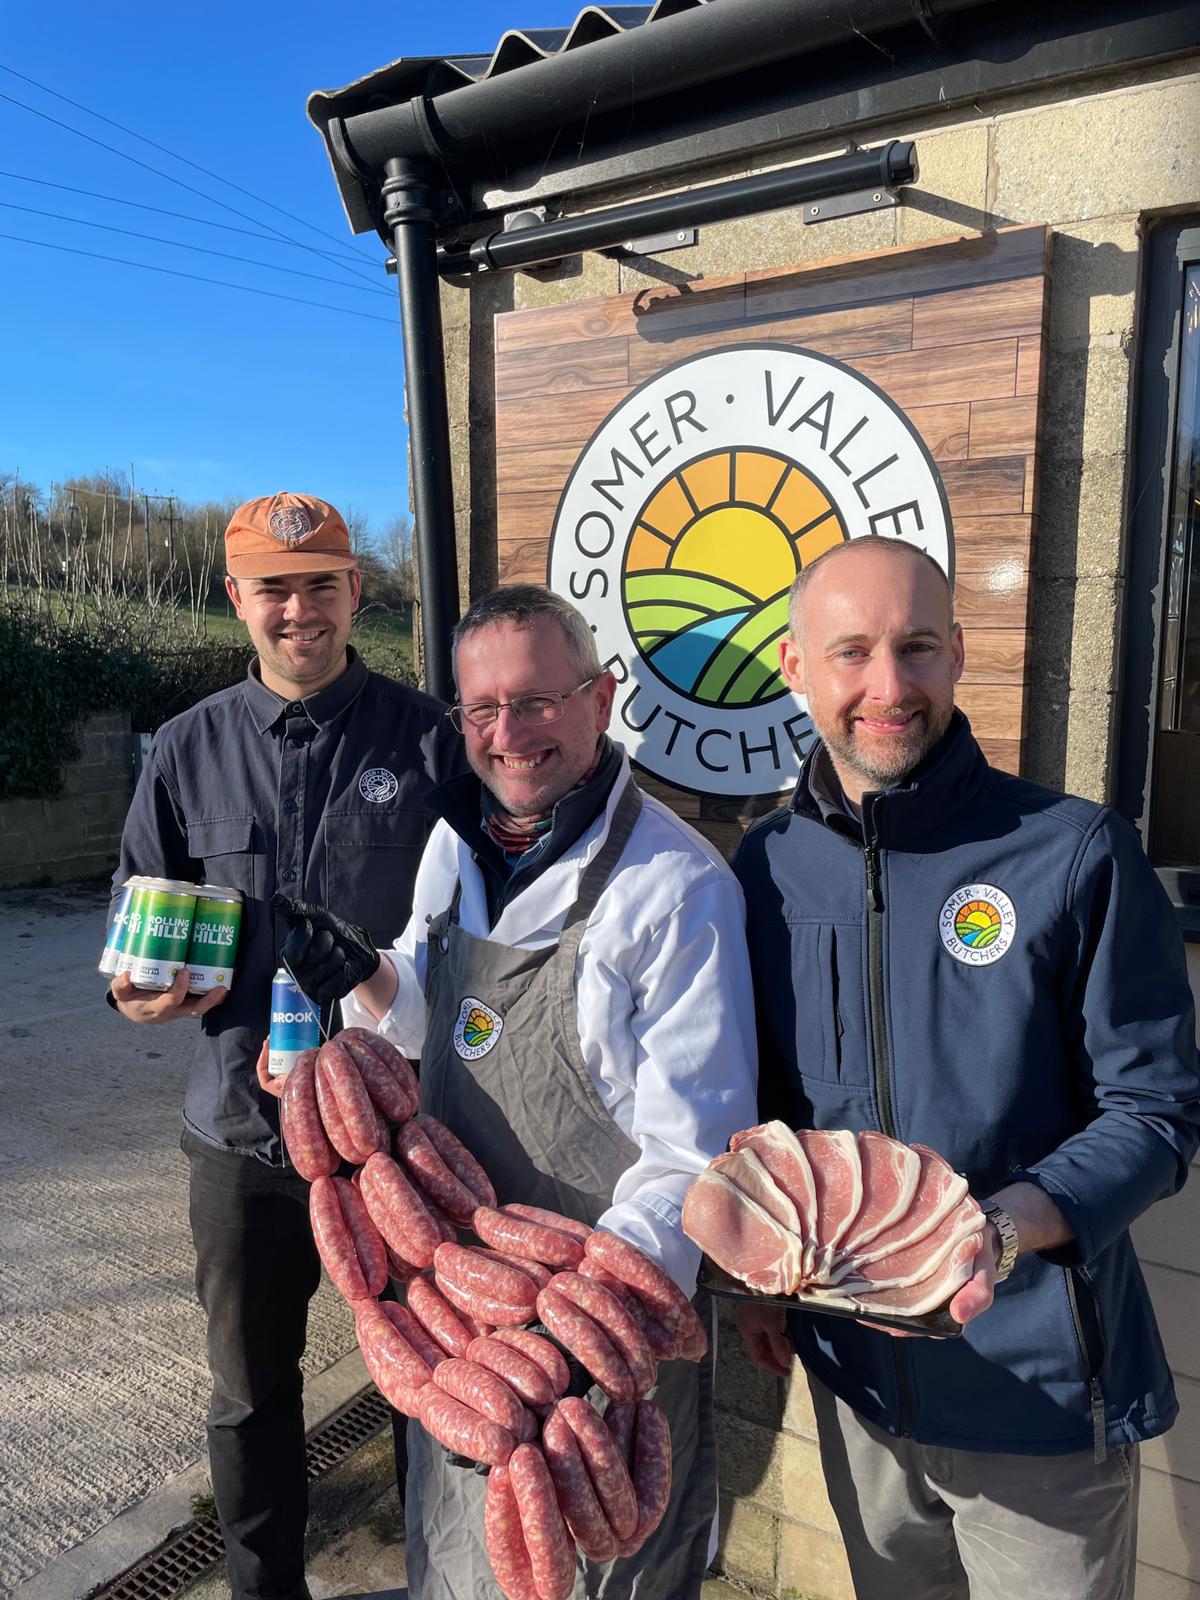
x=483, y=1391
x=664, y=1345
x=337, y=1242
x=393, y=1238
x=414, y=1148
x=503, y=1539
x=437, y=1317
x=549, y=1219
x=517, y=1236
x=576, y=1496
x=405, y=1222
x=459, y=1159
x=551, y=1551
x=308, y=1148
x=539, y=1275
x=462, y=1429
x=541, y=1352
x=607, y=1470
x=662, y=1294
x=576, y=1331
x=368, y=1245
x=355, y=1105
x=331, y=1120
x=651, y=1473
x=395, y=1365
x=611, y=1317
x=477, y=1311
x=411, y=1328
x=394, y=1093
x=523, y=1376
x=493, y=1280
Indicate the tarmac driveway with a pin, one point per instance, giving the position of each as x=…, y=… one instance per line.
x=103, y=1386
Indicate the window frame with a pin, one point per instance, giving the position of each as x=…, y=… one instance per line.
x=1172, y=247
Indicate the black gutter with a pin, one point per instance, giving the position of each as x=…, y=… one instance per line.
x=471, y=128
x=880, y=169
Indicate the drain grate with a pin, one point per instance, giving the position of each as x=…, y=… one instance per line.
x=188, y=1554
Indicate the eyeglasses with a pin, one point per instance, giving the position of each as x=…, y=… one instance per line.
x=531, y=709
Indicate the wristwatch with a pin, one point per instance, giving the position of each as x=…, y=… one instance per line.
x=1009, y=1242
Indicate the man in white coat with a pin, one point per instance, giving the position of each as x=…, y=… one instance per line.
x=574, y=980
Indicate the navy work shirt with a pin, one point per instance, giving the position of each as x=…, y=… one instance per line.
x=322, y=798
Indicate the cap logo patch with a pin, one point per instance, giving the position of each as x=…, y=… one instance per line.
x=476, y=1029
x=291, y=525
x=378, y=785
x=977, y=924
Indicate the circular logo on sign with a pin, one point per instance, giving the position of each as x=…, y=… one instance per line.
x=477, y=1029
x=687, y=518
x=290, y=525
x=378, y=785
x=977, y=924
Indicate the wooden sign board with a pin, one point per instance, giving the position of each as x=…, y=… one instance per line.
x=670, y=458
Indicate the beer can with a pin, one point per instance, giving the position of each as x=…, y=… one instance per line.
x=213, y=948
x=158, y=946
x=295, y=1024
x=114, y=944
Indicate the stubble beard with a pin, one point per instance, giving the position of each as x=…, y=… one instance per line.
x=879, y=769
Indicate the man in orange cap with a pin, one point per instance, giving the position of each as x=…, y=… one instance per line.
x=307, y=777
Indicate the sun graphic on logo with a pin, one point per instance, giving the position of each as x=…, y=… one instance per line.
x=708, y=567
x=977, y=924
x=477, y=1029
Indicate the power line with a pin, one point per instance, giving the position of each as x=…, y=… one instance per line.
x=224, y=255
x=195, y=277
x=157, y=171
x=182, y=216
x=174, y=154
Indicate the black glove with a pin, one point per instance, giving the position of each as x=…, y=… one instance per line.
x=326, y=956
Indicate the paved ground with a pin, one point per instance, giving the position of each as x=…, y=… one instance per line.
x=102, y=1386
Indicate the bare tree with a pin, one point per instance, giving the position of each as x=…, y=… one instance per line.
x=395, y=550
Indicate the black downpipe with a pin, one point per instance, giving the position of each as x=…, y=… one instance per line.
x=882, y=168
x=407, y=195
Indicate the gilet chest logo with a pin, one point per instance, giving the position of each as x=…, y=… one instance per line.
x=684, y=523
x=378, y=785
x=978, y=924
x=477, y=1029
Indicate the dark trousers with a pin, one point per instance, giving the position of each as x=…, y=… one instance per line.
x=256, y=1270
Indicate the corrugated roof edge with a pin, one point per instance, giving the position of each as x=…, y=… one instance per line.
x=412, y=77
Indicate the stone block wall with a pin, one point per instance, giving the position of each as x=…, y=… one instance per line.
x=77, y=835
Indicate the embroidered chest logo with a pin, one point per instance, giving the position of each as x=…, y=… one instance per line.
x=378, y=785
x=978, y=924
x=476, y=1029
x=290, y=525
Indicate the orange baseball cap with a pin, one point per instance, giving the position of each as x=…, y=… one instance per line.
x=286, y=533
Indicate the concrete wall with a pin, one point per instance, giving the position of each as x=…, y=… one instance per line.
x=1095, y=166
x=79, y=834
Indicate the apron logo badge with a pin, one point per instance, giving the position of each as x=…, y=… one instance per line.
x=378, y=785
x=477, y=1029
x=977, y=924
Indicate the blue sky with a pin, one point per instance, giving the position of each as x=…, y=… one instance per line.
x=209, y=392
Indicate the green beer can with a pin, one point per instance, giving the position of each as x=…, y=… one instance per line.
x=114, y=945
x=213, y=948
x=160, y=931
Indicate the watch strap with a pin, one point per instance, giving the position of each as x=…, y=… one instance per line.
x=1009, y=1240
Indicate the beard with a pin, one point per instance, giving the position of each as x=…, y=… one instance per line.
x=880, y=762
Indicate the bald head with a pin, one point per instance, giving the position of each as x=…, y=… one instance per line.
x=876, y=653
x=843, y=557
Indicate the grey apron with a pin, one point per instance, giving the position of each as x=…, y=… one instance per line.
x=528, y=1109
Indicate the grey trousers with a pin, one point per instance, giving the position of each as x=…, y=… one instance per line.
x=924, y=1523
